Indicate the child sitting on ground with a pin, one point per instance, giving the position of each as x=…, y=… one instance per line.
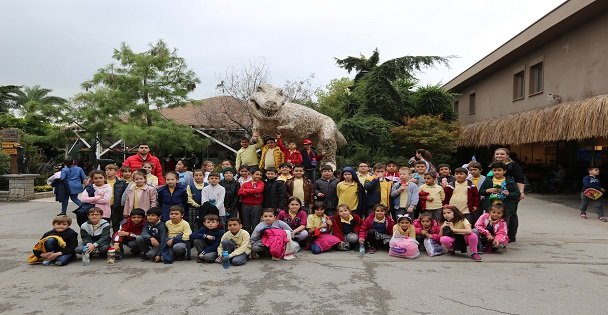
x=492, y=229
x=127, y=233
x=152, y=243
x=236, y=242
x=404, y=228
x=207, y=239
x=377, y=229
x=57, y=246
x=456, y=233
x=295, y=217
x=178, y=234
x=319, y=228
x=269, y=222
x=95, y=234
x=426, y=227
x=346, y=226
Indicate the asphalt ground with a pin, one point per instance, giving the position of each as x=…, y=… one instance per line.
x=559, y=265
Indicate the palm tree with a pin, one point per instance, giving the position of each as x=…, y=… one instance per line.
x=434, y=100
x=7, y=94
x=35, y=102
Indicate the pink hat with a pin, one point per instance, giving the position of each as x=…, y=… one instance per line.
x=307, y=141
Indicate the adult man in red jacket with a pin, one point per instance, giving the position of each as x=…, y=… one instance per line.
x=136, y=161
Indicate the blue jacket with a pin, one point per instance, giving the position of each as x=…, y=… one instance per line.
x=412, y=193
x=75, y=177
x=213, y=244
x=591, y=182
x=166, y=199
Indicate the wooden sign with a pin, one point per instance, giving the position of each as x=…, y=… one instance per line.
x=9, y=147
x=10, y=135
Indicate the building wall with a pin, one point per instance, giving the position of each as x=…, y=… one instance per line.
x=574, y=67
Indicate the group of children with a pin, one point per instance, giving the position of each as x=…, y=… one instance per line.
x=270, y=211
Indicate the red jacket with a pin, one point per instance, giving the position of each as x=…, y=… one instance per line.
x=130, y=227
x=294, y=158
x=472, y=195
x=368, y=224
x=336, y=227
x=434, y=230
x=252, y=194
x=135, y=162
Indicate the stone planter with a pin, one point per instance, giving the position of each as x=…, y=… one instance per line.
x=20, y=186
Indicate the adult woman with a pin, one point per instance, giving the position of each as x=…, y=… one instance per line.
x=74, y=176
x=423, y=155
x=514, y=170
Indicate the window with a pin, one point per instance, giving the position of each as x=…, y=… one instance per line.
x=518, y=86
x=536, y=78
x=456, y=109
x=472, y=104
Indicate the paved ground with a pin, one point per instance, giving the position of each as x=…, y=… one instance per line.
x=558, y=266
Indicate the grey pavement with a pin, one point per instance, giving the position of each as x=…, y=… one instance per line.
x=559, y=265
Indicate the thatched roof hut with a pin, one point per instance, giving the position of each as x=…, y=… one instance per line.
x=573, y=120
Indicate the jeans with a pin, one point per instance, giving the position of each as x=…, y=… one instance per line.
x=301, y=236
x=376, y=239
x=52, y=245
x=586, y=202
x=230, y=246
x=64, y=204
x=146, y=248
x=201, y=244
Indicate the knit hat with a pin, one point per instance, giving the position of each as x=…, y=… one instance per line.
x=228, y=169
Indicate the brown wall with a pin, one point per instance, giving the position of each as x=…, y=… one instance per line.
x=575, y=66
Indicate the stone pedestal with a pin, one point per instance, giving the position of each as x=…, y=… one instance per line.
x=20, y=186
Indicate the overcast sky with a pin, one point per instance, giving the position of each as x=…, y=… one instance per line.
x=60, y=44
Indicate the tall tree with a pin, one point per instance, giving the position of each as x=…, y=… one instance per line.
x=7, y=95
x=36, y=103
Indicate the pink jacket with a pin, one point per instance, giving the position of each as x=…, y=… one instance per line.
x=275, y=240
x=105, y=194
x=434, y=230
x=500, y=228
x=146, y=198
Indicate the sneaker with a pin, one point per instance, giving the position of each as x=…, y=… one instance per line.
x=61, y=213
x=371, y=250
x=254, y=255
x=476, y=257
x=110, y=261
x=58, y=263
x=603, y=219
x=583, y=216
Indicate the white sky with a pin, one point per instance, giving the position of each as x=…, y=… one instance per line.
x=59, y=44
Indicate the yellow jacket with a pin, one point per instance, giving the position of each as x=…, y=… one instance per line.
x=32, y=259
x=279, y=157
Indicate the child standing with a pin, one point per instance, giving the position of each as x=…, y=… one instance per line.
x=493, y=229
x=426, y=227
x=325, y=190
x=292, y=155
x=346, y=227
x=378, y=189
x=125, y=173
x=244, y=175
x=350, y=191
x=140, y=195
x=475, y=176
x=456, y=233
x=152, y=243
x=275, y=192
x=95, y=234
x=178, y=234
x=363, y=173
x=405, y=194
x=207, y=169
x=418, y=177
x=377, y=229
x=498, y=188
x=236, y=242
x=48, y=249
x=301, y=187
x=285, y=169
x=252, y=195
x=247, y=154
x=214, y=194
x=207, y=239
x=269, y=222
x=463, y=194
x=127, y=233
x=592, y=182
x=195, y=192
x=445, y=177
x=271, y=156
x=103, y=194
x=151, y=179
x=231, y=198
x=118, y=187
x=295, y=217
x=392, y=172
x=431, y=195
x=173, y=193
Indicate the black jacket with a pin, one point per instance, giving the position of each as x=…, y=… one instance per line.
x=69, y=236
x=328, y=188
x=275, y=194
x=231, y=198
x=119, y=188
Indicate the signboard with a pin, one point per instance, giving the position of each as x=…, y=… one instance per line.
x=10, y=135
x=9, y=147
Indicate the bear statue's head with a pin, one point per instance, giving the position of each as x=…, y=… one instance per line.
x=266, y=101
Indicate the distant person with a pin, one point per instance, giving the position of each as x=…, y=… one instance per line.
x=75, y=177
x=424, y=156
x=592, y=182
x=271, y=229
x=136, y=161
x=426, y=228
